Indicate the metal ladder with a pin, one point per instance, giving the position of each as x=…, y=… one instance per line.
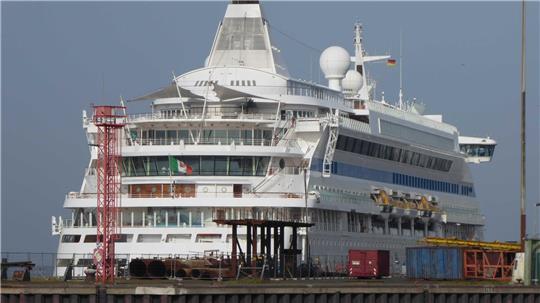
x=333, y=133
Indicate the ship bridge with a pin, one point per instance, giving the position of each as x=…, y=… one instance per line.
x=477, y=149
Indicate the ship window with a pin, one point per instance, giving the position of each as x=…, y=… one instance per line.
x=243, y=83
x=194, y=163
x=349, y=145
x=196, y=218
x=208, y=238
x=162, y=164
x=123, y=238
x=237, y=82
x=247, y=166
x=178, y=238
x=208, y=137
x=149, y=238
x=90, y=239
x=232, y=83
x=172, y=135
x=220, y=136
x=261, y=166
x=234, y=135
x=71, y=238
x=391, y=153
x=220, y=166
x=160, y=136
x=241, y=34
x=207, y=166
x=247, y=136
x=340, y=145
x=150, y=166
x=254, y=84
x=183, y=134
x=138, y=164
x=248, y=82
x=236, y=166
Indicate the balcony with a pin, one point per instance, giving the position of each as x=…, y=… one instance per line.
x=195, y=116
x=213, y=146
x=215, y=141
x=184, y=195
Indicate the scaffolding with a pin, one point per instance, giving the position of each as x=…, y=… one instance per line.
x=276, y=258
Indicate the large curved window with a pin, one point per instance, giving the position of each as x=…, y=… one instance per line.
x=200, y=166
x=392, y=153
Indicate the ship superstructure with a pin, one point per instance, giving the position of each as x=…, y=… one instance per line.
x=239, y=138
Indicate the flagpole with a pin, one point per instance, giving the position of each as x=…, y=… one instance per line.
x=400, y=69
x=171, y=189
x=523, y=184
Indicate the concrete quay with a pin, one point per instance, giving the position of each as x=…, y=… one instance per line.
x=254, y=291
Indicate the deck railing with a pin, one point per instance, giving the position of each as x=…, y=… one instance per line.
x=198, y=116
x=215, y=141
x=215, y=194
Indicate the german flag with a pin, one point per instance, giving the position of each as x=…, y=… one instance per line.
x=391, y=62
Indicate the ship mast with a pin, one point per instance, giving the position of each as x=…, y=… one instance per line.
x=359, y=60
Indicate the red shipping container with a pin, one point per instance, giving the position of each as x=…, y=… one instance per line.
x=369, y=263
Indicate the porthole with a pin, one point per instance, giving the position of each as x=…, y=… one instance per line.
x=282, y=163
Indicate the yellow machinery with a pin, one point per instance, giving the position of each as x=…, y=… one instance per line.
x=382, y=198
x=471, y=244
x=423, y=204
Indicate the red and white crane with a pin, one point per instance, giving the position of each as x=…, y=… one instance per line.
x=109, y=120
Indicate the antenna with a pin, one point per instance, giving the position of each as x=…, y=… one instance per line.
x=102, y=86
x=400, y=69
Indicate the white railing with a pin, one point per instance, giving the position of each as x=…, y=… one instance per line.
x=204, y=141
x=199, y=193
x=67, y=223
x=199, y=116
x=216, y=141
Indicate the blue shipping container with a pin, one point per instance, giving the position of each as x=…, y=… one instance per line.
x=437, y=263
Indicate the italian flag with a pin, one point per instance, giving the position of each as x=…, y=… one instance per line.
x=176, y=167
x=391, y=62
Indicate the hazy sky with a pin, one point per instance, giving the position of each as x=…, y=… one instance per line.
x=461, y=59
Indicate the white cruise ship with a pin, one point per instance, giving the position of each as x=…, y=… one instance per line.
x=248, y=141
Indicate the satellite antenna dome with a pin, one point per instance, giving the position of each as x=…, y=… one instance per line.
x=334, y=62
x=352, y=82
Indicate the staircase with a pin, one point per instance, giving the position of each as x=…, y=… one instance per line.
x=333, y=133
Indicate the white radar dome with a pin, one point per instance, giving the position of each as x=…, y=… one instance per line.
x=352, y=82
x=334, y=62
